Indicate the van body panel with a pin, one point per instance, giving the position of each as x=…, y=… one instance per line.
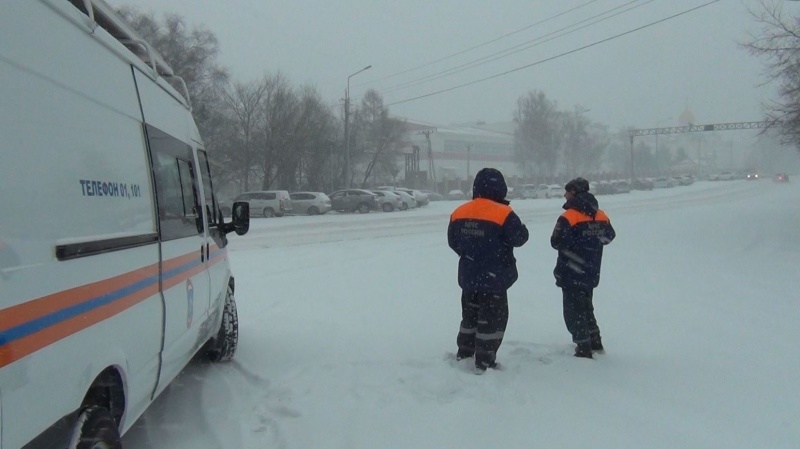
x=95, y=272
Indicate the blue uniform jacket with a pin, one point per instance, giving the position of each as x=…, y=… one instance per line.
x=484, y=233
x=579, y=236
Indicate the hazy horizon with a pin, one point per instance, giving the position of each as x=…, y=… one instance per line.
x=644, y=79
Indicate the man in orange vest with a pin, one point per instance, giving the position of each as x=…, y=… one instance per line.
x=579, y=236
x=484, y=233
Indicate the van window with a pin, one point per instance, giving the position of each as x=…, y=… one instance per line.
x=176, y=192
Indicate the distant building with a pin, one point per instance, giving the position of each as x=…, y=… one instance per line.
x=455, y=153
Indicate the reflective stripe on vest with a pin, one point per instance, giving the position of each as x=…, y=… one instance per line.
x=574, y=217
x=482, y=209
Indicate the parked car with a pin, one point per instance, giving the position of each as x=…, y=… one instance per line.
x=621, y=186
x=722, y=176
x=547, y=191
x=781, y=177
x=604, y=188
x=527, y=191
x=269, y=203
x=408, y=201
x=420, y=198
x=456, y=195
x=642, y=184
x=685, y=180
x=433, y=196
x=388, y=201
x=311, y=203
x=663, y=182
x=354, y=200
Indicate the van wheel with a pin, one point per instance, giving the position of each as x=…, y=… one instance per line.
x=222, y=346
x=363, y=208
x=387, y=207
x=404, y=206
x=268, y=212
x=95, y=429
x=313, y=210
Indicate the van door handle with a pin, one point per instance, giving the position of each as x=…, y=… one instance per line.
x=202, y=253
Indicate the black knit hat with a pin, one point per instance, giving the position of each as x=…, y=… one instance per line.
x=577, y=185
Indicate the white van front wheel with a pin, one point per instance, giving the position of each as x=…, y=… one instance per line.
x=95, y=429
x=222, y=346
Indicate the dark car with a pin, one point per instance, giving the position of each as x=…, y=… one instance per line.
x=642, y=184
x=604, y=188
x=354, y=200
x=781, y=177
x=751, y=176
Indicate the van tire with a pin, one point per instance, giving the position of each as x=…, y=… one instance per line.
x=268, y=212
x=95, y=429
x=313, y=210
x=222, y=346
x=387, y=207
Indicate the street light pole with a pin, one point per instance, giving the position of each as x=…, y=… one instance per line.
x=347, y=128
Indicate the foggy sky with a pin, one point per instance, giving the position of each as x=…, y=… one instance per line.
x=639, y=79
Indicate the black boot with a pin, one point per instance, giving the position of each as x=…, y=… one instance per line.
x=597, y=343
x=461, y=355
x=583, y=350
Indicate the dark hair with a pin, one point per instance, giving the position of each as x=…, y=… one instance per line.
x=577, y=185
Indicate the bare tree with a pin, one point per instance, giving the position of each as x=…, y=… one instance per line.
x=192, y=54
x=279, y=115
x=576, y=141
x=778, y=43
x=537, y=137
x=244, y=105
x=377, y=136
x=317, y=134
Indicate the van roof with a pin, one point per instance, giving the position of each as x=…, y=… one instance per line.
x=104, y=16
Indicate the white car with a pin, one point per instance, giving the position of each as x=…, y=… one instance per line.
x=388, y=201
x=408, y=201
x=526, y=191
x=269, y=203
x=663, y=182
x=311, y=203
x=547, y=191
x=456, y=195
x=723, y=176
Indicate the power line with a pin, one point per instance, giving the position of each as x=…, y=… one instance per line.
x=476, y=46
x=556, y=56
x=518, y=48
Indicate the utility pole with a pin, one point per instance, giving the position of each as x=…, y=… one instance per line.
x=431, y=166
x=469, y=150
x=347, y=128
x=631, y=137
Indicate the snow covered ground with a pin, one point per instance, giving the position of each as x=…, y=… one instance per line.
x=346, y=322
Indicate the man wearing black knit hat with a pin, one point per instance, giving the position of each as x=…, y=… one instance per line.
x=579, y=236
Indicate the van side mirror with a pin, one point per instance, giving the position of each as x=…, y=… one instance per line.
x=240, y=218
x=240, y=214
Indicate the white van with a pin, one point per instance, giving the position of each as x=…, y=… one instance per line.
x=113, y=264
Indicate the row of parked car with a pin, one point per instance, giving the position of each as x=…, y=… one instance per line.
x=277, y=203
